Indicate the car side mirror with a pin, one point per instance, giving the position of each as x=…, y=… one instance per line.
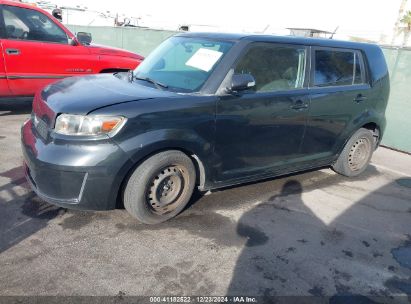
x=242, y=82
x=84, y=38
x=58, y=14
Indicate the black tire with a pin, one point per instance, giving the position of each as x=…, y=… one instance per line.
x=160, y=187
x=356, y=155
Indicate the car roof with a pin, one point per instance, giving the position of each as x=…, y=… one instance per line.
x=281, y=39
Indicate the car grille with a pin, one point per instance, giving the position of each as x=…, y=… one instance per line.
x=40, y=125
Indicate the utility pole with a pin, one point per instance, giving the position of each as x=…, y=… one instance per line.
x=398, y=22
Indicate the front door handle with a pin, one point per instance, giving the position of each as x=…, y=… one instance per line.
x=299, y=105
x=12, y=51
x=359, y=98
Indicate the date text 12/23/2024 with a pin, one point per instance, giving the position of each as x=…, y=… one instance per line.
x=204, y=299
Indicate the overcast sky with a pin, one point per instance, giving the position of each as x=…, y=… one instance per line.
x=353, y=16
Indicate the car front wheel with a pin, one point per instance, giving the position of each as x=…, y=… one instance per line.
x=160, y=187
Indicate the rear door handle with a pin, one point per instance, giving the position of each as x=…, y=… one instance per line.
x=12, y=51
x=359, y=98
x=299, y=105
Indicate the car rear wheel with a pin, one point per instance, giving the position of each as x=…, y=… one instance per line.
x=160, y=187
x=356, y=155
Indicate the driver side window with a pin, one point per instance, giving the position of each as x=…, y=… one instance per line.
x=274, y=67
x=27, y=24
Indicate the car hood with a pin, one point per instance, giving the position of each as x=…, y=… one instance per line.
x=82, y=95
x=106, y=50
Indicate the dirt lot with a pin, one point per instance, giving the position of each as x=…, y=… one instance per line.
x=314, y=233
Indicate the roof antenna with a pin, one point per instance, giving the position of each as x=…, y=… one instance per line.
x=335, y=31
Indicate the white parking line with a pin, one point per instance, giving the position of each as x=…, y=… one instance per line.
x=391, y=170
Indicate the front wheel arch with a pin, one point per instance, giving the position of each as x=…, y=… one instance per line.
x=198, y=165
x=160, y=187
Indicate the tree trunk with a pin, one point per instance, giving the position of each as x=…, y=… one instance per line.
x=406, y=37
x=398, y=22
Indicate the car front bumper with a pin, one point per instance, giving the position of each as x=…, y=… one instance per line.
x=76, y=175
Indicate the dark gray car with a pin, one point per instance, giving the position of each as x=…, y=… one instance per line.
x=205, y=111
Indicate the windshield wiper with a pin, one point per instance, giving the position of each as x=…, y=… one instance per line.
x=159, y=85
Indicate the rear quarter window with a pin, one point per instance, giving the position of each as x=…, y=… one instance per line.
x=337, y=68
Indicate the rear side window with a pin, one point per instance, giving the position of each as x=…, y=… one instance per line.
x=338, y=68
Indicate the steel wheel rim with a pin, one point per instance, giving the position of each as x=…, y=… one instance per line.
x=166, y=189
x=359, y=154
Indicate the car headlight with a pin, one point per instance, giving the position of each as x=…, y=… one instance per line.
x=88, y=125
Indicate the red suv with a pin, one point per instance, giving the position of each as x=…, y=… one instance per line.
x=36, y=49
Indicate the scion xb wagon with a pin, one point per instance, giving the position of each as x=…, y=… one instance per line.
x=205, y=111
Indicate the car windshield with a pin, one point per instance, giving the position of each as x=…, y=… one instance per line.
x=182, y=64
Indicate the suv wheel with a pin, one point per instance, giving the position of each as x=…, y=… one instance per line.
x=356, y=155
x=160, y=187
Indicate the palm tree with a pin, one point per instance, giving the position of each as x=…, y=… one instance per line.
x=406, y=19
x=398, y=22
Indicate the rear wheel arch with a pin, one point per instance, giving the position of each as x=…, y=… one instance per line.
x=376, y=131
x=370, y=125
x=356, y=154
